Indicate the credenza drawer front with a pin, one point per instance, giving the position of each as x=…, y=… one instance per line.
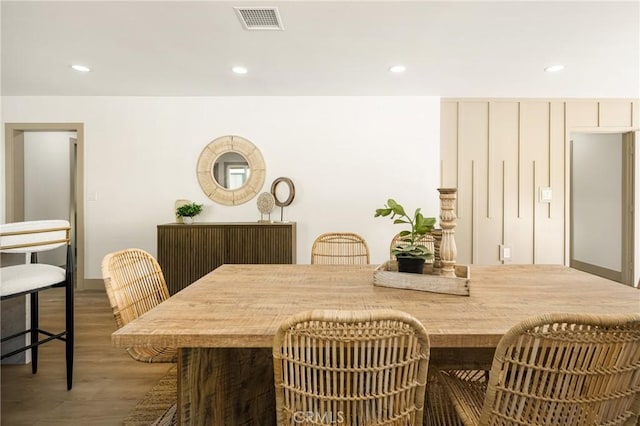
x=188, y=252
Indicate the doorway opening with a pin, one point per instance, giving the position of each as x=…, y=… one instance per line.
x=602, y=201
x=31, y=195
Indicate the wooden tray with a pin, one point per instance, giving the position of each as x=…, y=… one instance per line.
x=387, y=275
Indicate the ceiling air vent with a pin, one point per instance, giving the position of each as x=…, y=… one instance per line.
x=260, y=18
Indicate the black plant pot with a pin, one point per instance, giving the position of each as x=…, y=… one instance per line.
x=410, y=264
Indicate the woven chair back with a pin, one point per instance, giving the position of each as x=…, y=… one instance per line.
x=340, y=248
x=426, y=240
x=134, y=283
x=566, y=370
x=351, y=368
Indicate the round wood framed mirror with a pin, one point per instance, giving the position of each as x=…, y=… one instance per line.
x=277, y=195
x=231, y=170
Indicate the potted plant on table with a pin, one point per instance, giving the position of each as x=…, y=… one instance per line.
x=411, y=255
x=188, y=211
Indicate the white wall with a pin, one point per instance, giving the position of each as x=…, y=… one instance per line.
x=345, y=155
x=47, y=181
x=596, y=183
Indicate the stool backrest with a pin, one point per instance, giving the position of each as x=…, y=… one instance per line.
x=34, y=236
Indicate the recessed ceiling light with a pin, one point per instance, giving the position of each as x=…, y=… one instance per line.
x=240, y=70
x=554, y=68
x=398, y=68
x=80, y=68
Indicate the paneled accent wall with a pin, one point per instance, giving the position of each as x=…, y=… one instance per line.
x=188, y=252
x=499, y=152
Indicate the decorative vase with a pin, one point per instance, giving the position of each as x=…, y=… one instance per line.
x=187, y=219
x=411, y=265
x=180, y=203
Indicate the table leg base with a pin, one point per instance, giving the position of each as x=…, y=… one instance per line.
x=226, y=386
x=461, y=358
x=234, y=386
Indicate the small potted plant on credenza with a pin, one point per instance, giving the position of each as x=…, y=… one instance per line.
x=188, y=211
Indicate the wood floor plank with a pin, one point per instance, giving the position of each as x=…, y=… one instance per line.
x=107, y=382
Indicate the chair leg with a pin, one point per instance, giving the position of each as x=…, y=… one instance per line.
x=69, y=324
x=34, y=332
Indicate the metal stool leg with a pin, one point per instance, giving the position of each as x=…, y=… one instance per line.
x=69, y=319
x=34, y=331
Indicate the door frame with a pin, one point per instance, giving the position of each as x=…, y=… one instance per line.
x=14, y=183
x=628, y=204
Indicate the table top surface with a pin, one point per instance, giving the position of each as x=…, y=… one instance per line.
x=242, y=305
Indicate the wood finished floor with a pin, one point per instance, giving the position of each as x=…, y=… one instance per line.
x=107, y=382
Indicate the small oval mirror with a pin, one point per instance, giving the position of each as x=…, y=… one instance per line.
x=279, y=192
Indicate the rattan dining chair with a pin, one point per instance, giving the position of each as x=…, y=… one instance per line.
x=29, y=278
x=340, y=248
x=557, y=369
x=426, y=240
x=135, y=284
x=351, y=368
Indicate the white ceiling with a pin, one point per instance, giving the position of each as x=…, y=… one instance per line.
x=180, y=48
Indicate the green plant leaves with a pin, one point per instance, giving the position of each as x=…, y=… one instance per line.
x=382, y=212
x=189, y=210
x=414, y=251
x=397, y=208
x=419, y=224
x=423, y=225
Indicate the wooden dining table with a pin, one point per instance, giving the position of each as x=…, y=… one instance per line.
x=224, y=323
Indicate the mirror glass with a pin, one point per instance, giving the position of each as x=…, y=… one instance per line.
x=231, y=170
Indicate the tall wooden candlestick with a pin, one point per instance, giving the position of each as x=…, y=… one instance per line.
x=448, y=251
x=437, y=262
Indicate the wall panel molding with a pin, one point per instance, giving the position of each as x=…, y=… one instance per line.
x=504, y=202
x=495, y=141
x=489, y=162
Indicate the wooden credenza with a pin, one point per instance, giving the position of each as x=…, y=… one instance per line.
x=188, y=252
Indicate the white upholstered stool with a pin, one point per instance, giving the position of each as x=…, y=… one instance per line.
x=30, y=278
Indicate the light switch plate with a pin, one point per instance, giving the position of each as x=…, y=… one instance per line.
x=546, y=194
x=505, y=253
